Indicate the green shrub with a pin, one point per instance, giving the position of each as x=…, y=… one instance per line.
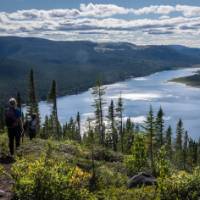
x=45, y=179
x=137, y=161
x=108, y=177
x=181, y=186
x=145, y=193
x=163, y=167
x=4, y=150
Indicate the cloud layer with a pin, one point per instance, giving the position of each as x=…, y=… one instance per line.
x=154, y=24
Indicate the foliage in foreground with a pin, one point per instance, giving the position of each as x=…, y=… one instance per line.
x=49, y=176
x=47, y=179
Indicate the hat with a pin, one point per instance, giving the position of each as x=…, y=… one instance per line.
x=12, y=102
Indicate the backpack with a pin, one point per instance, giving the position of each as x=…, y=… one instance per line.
x=33, y=125
x=10, y=118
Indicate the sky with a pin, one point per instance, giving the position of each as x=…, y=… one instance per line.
x=137, y=21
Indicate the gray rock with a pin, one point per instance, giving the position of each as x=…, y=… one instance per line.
x=2, y=193
x=141, y=179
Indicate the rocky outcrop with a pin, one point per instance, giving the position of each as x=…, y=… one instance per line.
x=141, y=179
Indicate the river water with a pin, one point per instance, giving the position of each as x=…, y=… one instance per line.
x=177, y=100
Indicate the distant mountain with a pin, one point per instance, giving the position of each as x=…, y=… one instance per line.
x=76, y=65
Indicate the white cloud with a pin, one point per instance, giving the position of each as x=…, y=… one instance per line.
x=162, y=10
x=188, y=11
x=91, y=20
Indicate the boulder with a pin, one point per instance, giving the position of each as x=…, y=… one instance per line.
x=141, y=179
x=2, y=193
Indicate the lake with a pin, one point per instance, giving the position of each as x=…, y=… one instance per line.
x=177, y=100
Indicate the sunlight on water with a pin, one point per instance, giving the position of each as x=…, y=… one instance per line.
x=177, y=100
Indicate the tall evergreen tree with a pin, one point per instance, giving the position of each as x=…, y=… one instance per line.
x=19, y=101
x=159, y=128
x=112, y=128
x=179, y=143
x=98, y=93
x=149, y=127
x=138, y=158
x=192, y=153
x=32, y=104
x=119, y=114
x=52, y=98
x=128, y=135
x=185, y=150
x=78, y=127
x=168, y=141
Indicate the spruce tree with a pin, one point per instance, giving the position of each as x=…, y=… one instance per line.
x=98, y=93
x=159, y=128
x=52, y=98
x=138, y=159
x=19, y=101
x=32, y=104
x=192, y=153
x=112, y=128
x=78, y=127
x=168, y=141
x=119, y=114
x=179, y=143
x=149, y=127
x=185, y=150
x=128, y=135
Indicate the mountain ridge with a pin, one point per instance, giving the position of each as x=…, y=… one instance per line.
x=76, y=65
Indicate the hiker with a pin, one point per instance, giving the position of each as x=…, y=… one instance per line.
x=14, y=124
x=32, y=126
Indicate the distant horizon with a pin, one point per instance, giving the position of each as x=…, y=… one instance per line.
x=92, y=41
x=148, y=22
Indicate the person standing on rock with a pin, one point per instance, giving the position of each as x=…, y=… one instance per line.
x=13, y=118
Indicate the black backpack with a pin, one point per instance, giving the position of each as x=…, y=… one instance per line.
x=10, y=118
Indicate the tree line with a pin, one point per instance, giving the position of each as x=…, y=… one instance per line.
x=143, y=143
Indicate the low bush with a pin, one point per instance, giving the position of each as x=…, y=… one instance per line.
x=108, y=177
x=181, y=186
x=4, y=145
x=45, y=179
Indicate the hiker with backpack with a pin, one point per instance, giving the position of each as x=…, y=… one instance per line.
x=32, y=126
x=13, y=118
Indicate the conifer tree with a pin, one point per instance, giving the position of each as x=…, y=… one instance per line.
x=192, y=153
x=168, y=141
x=128, y=135
x=78, y=127
x=179, y=143
x=198, y=151
x=159, y=128
x=32, y=104
x=98, y=93
x=138, y=159
x=119, y=114
x=19, y=101
x=112, y=128
x=52, y=98
x=45, y=133
x=149, y=127
x=185, y=150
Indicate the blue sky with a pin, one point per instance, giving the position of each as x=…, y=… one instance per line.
x=137, y=21
x=13, y=5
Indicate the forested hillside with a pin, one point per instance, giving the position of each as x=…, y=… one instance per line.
x=193, y=80
x=65, y=61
